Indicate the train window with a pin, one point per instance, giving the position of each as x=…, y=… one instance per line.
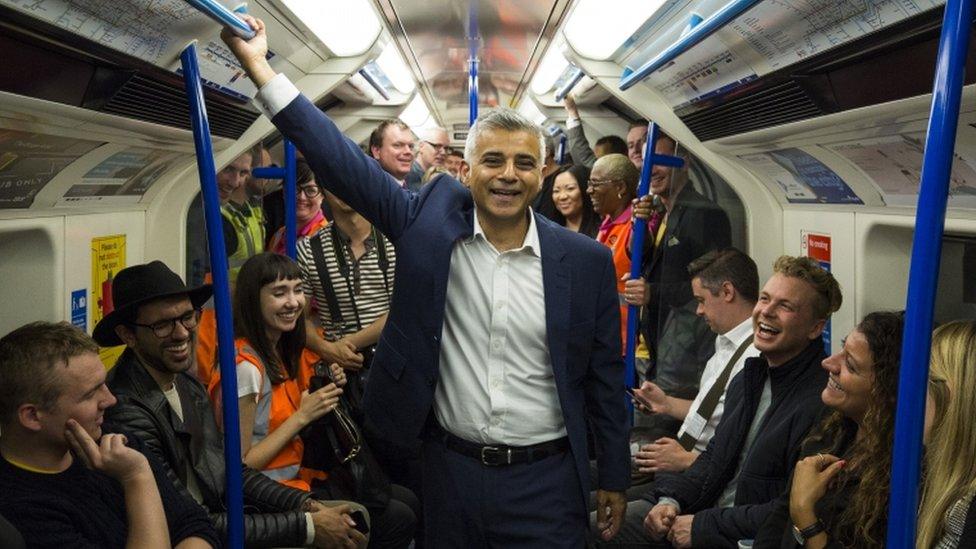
x=885, y=277
x=705, y=214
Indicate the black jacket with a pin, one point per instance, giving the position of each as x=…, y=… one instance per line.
x=274, y=516
x=677, y=336
x=768, y=465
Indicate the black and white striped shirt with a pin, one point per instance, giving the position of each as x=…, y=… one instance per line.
x=363, y=293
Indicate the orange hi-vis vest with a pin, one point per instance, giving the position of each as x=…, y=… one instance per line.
x=615, y=234
x=285, y=398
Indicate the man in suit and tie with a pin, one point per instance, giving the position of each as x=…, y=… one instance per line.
x=502, y=339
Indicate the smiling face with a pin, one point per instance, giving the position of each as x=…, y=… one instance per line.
x=395, y=155
x=566, y=195
x=661, y=176
x=282, y=302
x=851, y=377
x=453, y=164
x=84, y=398
x=505, y=174
x=233, y=176
x=604, y=191
x=783, y=320
x=169, y=355
x=306, y=208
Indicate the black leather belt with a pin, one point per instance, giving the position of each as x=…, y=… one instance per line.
x=497, y=455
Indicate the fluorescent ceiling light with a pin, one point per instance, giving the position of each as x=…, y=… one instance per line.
x=396, y=70
x=346, y=27
x=416, y=115
x=596, y=31
x=530, y=110
x=552, y=65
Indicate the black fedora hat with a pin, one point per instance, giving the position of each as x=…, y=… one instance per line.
x=139, y=284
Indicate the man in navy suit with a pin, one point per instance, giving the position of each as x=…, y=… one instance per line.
x=502, y=342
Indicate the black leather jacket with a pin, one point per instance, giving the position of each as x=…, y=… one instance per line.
x=273, y=515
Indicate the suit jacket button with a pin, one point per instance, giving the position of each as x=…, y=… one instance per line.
x=430, y=382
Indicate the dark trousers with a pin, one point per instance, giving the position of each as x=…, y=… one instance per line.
x=470, y=505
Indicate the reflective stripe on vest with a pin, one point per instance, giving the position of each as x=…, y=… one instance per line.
x=248, y=224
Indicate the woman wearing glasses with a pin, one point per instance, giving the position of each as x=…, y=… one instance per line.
x=308, y=208
x=613, y=184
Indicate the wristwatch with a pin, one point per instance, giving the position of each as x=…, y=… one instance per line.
x=802, y=535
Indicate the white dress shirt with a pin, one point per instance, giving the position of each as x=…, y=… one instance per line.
x=725, y=346
x=496, y=383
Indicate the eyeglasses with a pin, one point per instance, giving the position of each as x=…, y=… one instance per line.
x=437, y=146
x=310, y=191
x=164, y=328
x=597, y=183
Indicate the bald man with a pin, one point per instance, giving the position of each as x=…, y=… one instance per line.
x=431, y=151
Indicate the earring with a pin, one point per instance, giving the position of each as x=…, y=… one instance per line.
x=620, y=194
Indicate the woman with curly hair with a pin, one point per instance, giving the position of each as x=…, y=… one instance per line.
x=946, y=516
x=839, y=493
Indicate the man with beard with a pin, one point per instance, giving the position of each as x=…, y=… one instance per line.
x=156, y=317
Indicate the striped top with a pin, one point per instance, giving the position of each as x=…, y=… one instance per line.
x=362, y=291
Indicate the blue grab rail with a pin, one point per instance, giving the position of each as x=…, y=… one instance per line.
x=562, y=92
x=291, y=201
x=561, y=150
x=224, y=16
x=473, y=40
x=221, y=296
x=923, y=276
x=700, y=32
x=290, y=189
x=637, y=246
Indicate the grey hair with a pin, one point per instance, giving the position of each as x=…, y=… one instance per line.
x=502, y=119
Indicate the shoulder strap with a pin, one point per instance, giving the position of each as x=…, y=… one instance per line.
x=318, y=256
x=710, y=402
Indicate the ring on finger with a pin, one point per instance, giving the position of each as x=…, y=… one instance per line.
x=821, y=456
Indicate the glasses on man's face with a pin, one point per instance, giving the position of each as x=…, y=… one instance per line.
x=310, y=191
x=164, y=328
x=597, y=183
x=437, y=146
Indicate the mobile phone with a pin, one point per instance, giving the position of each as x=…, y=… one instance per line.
x=360, y=520
x=640, y=400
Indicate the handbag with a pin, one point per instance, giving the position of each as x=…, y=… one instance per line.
x=335, y=444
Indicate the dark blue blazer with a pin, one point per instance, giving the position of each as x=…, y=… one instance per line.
x=582, y=312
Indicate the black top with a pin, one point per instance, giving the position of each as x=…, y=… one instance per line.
x=766, y=466
x=777, y=531
x=83, y=508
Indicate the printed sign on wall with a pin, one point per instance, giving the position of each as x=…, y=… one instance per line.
x=817, y=247
x=108, y=258
x=79, y=309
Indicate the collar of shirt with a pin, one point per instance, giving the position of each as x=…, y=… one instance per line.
x=347, y=240
x=734, y=337
x=307, y=228
x=624, y=217
x=530, y=244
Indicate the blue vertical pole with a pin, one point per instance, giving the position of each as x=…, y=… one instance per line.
x=561, y=150
x=472, y=62
x=291, y=199
x=218, y=268
x=637, y=245
x=472, y=90
x=923, y=276
x=637, y=258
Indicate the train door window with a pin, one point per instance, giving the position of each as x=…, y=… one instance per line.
x=699, y=212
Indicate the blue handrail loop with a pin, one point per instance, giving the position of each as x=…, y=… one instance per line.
x=562, y=92
x=637, y=245
x=224, y=16
x=561, y=150
x=923, y=276
x=700, y=32
x=221, y=296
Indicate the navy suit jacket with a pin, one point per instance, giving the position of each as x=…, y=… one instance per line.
x=582, y=313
